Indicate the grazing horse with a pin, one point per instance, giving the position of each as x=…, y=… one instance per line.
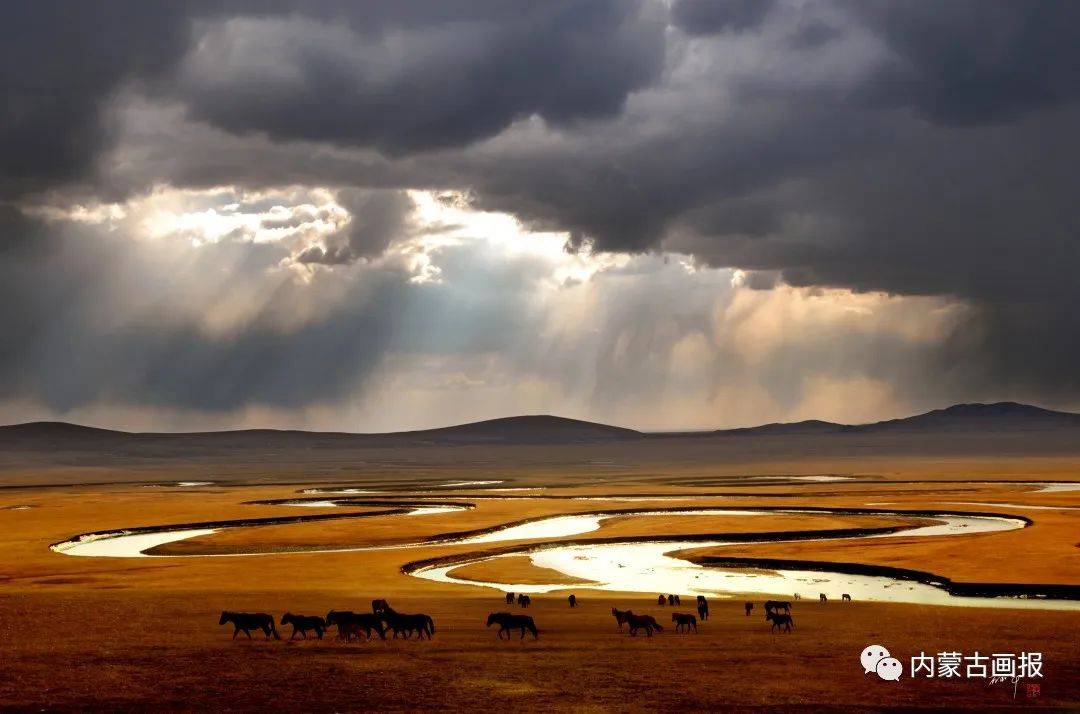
x=777, y=606
x=684, y=621
x=405, y=625
x=350, y=623
x=303, y=623
x=507, y=621
x=247, y=621
x=524, y=600
x=509, y=598
x=822, y=598
x=380, y=606
x=678, y=602
x=702, y=607
x=639, y=622
x=572, y=600
x=845, y=598
x=620, y=616
x=779, y=621
x=749, y=607
x=661, y=600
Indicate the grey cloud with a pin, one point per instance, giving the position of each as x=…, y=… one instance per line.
x=376, y=218
x=706, y=17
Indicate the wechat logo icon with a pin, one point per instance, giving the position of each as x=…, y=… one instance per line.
x=877, y=659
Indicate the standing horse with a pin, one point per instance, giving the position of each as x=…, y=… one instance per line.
x=405, y=625
x=702, y=607
x=684, y=621
x=247, y=621
x=507, y=621
x=639, y=622
x=620, y=616
x=509, y=598
x=749, y=607
x=572, y=600
x=350, y=623
x=524, y=600
x=822, y=598
x=845, y=598
x=303, y=623
x=779, y=621
x=678, y=602
x=777, y=606
x=380, y=606
x=661, y=600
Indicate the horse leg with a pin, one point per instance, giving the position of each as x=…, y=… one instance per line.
x=235, y=632
x=248, y=633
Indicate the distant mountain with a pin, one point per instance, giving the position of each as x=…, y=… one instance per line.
x=533, y=429
x=1000, y=416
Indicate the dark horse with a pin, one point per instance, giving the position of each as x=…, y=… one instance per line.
x=524, y=600
x=380, y=606
x=303, y=623
x=678, y=601
x=639, y=622
x=661, y=600
x=702, y=607
x=507, y=622
x=350, y=623
x=509, y=598
x=572, y=600
x=822, y=598
x=405, y=625
x=684, y=622
x=247, y=621
x=750, y=608
x=779, y=621
x=777, y=606
x=620, y=616
x=845, y=598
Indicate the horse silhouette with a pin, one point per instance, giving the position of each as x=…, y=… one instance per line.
x=798, y=596
x=845, y=597
x=350, y=623
x=749, y=607
x=678, y=602
x=671, y=600
x=822, y=598
x=779, y=621
x=642, y=622
x=507, y=621
x=509, y=598
x=777, y=606
x=702, y=607
x=661, y=600
x=247, y=621
x=684, y=622
x=620, y=616
x=406, y=625
x=524, y=600
x=379, y=606
x=572, y=600
x=302, y=623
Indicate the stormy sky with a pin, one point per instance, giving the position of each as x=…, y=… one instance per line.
x=665, y=215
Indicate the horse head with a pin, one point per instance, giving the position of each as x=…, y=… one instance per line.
x=224, y=617
x=285, y=618
x=492, y=618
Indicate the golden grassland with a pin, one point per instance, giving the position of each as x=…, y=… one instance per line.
x=139, y=633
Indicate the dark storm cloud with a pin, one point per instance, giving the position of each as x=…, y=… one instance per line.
x=418, y=86
x=706, y=17
x=912, y=148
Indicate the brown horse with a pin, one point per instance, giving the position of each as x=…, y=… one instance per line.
x=822, y=598
x=661, y=600
x=350, y=623
x=684, y=622
x=572, y=600
x=507, y=621
x=702, y=607
x=247, y=621
x=524, y=600
x=304, y=623
x=509, y=598
x=777, y=606
x=639, y=622
x=620, y=616
x=780, y=621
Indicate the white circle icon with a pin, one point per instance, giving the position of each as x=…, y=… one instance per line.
x=889, y=669
x=871, y=656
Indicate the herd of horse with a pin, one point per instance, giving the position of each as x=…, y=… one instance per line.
x=383, y=619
